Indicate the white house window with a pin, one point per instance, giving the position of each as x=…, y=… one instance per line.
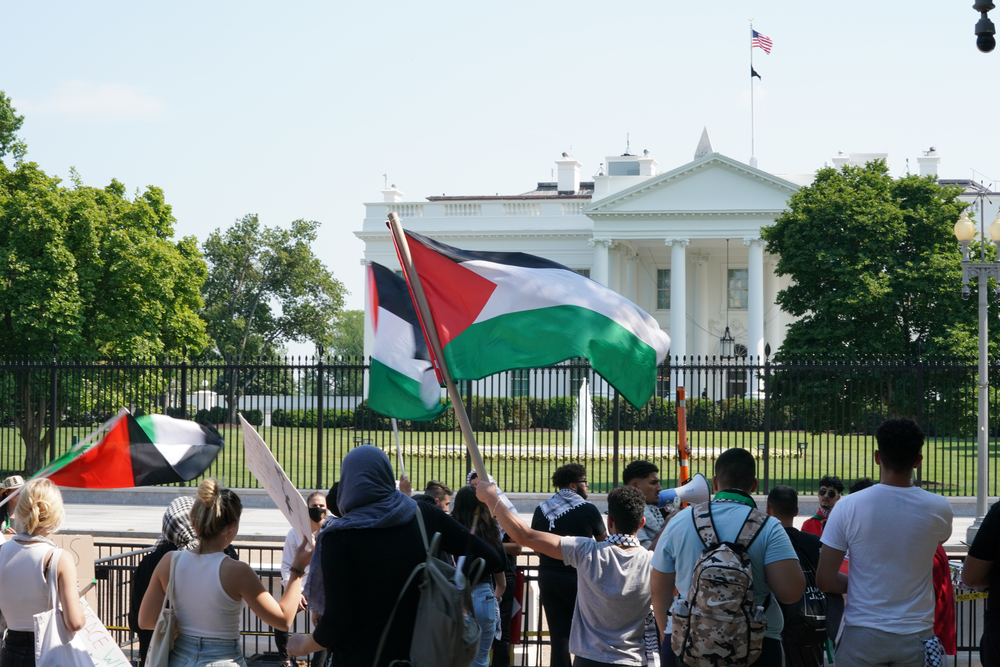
x=663, y=289
x=738, y=292
x=584, y=272
x=519, y=382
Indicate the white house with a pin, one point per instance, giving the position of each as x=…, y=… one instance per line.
x=684, y=245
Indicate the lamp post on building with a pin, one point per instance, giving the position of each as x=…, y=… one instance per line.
x=965, y=232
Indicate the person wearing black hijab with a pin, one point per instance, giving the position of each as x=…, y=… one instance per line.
x=363, y=559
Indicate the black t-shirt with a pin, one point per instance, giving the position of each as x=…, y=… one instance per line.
x=986, y=546
x=582, y=521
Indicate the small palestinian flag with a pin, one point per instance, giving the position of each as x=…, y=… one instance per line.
x=153, y=449
x=498, y=311
x=401, y=380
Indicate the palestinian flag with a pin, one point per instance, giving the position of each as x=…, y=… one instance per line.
x=402, y=382
x=154, y=449
x=496, y=311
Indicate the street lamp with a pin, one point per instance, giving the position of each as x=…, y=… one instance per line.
x=965, y=232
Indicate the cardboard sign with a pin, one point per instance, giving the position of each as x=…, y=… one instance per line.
x=268, y=472
x=81, y=549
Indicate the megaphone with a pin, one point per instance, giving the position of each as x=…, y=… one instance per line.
x=696, y=490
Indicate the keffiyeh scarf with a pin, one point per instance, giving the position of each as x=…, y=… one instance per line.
x=559, y=504
x=177, y=528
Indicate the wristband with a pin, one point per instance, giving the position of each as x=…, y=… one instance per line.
x=295, y=570
x=495, y=506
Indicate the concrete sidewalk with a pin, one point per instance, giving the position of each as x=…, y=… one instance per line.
x=139, y=513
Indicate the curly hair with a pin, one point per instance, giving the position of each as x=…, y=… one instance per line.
x=638, y=470
x=831, y=481
x=899, y=444
x=626, y=506
x=567, y=474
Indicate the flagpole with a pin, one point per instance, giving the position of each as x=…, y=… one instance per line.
x=399, y=451
x=424, y=311
x=753, y=150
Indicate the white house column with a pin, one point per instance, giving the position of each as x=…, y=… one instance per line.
x=755, y=297
x=600, y=270
x=772, y=327
x=631, y=267
x=678, y=297
x=615, y=267
x=700, y=261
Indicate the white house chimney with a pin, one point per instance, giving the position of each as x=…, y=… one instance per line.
x=929, y=162
x=569, y=174
x=840, y=159
x=392, y=195
x=647, y=165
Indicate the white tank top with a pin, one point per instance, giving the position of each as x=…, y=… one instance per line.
x=24, y=591
x=203, y=607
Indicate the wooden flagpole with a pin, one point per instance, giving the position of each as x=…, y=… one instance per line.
x=423, y=309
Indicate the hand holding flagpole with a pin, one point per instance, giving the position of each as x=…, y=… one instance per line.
x=427, y=320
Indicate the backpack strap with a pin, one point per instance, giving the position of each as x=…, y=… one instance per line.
x=701, y=514
x=751, y=528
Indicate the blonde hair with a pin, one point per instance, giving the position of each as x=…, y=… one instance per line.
x=39, y=509
x=214, y=509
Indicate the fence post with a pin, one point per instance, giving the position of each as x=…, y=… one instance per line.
x=320, y=386
x=614, y=453
x=767, y=418
x=53, y=415
x=184, y=381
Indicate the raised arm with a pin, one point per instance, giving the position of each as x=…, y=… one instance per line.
x=238, y=577
x=545, y=543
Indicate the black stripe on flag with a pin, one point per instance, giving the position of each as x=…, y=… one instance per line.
x=394, y=296
x=509, y=258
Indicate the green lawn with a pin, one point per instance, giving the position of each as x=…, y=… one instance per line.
x=523, y=461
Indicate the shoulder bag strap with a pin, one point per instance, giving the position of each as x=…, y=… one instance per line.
x=423, y=529
x=169, y=593
x=53, y=577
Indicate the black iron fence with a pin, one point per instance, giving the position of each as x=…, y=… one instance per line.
x=802, y=418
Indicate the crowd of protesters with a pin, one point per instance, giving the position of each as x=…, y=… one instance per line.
x=622, y=588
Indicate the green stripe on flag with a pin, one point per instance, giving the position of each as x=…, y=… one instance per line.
x=397, y=395
x=546, y=336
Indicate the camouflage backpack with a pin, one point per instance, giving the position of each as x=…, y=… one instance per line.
x=717, y=624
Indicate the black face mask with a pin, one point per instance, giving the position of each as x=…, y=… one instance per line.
x=317, y=514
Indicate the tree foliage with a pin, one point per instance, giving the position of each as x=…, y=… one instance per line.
x=266, y=287
x=349, y=335
x=875, y=266
x=10, y=123
x=89, y=271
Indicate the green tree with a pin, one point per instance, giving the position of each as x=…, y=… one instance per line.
x=349, y=335
x=874, y=264
x=265, y=287
x=875, y=270
x=10, y=123
x=93, y=273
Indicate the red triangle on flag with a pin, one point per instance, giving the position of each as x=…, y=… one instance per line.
x=106, y=465
x=455, y=294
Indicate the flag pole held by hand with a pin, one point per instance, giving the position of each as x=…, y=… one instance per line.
x=430, y=332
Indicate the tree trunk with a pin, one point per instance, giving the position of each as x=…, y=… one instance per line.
x=29, y=416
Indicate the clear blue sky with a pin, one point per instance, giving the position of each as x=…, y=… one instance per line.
x=296, y=110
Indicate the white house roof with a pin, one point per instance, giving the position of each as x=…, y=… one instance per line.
x=711, y=185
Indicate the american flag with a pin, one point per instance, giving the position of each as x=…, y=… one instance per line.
x=763, y=41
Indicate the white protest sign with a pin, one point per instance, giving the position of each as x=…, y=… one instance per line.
x=267, y=470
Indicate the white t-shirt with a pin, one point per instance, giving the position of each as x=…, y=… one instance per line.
x=892, y=533
x=612, y=602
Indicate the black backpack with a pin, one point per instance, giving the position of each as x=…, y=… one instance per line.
x=805, y=619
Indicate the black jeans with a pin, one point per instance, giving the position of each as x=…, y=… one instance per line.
x=501, y=647
x=557, y=593
x=18, y=650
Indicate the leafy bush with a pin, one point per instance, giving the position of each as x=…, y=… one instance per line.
x=742, y=414
x=255, y=416
x=216, y=415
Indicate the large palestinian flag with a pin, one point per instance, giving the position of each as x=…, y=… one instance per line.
x=402, y=382
x=154, y=449
x=496, y=311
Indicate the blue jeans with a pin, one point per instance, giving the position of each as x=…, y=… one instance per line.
x=202, y=652
x=484, y=609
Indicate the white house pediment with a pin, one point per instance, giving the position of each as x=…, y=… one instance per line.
x=712, y=184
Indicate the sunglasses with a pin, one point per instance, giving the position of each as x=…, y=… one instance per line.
x=829, y=493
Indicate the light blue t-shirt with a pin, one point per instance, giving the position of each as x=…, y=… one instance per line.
x=679, y=548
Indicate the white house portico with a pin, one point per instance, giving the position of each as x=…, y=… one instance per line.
x=684, y=245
